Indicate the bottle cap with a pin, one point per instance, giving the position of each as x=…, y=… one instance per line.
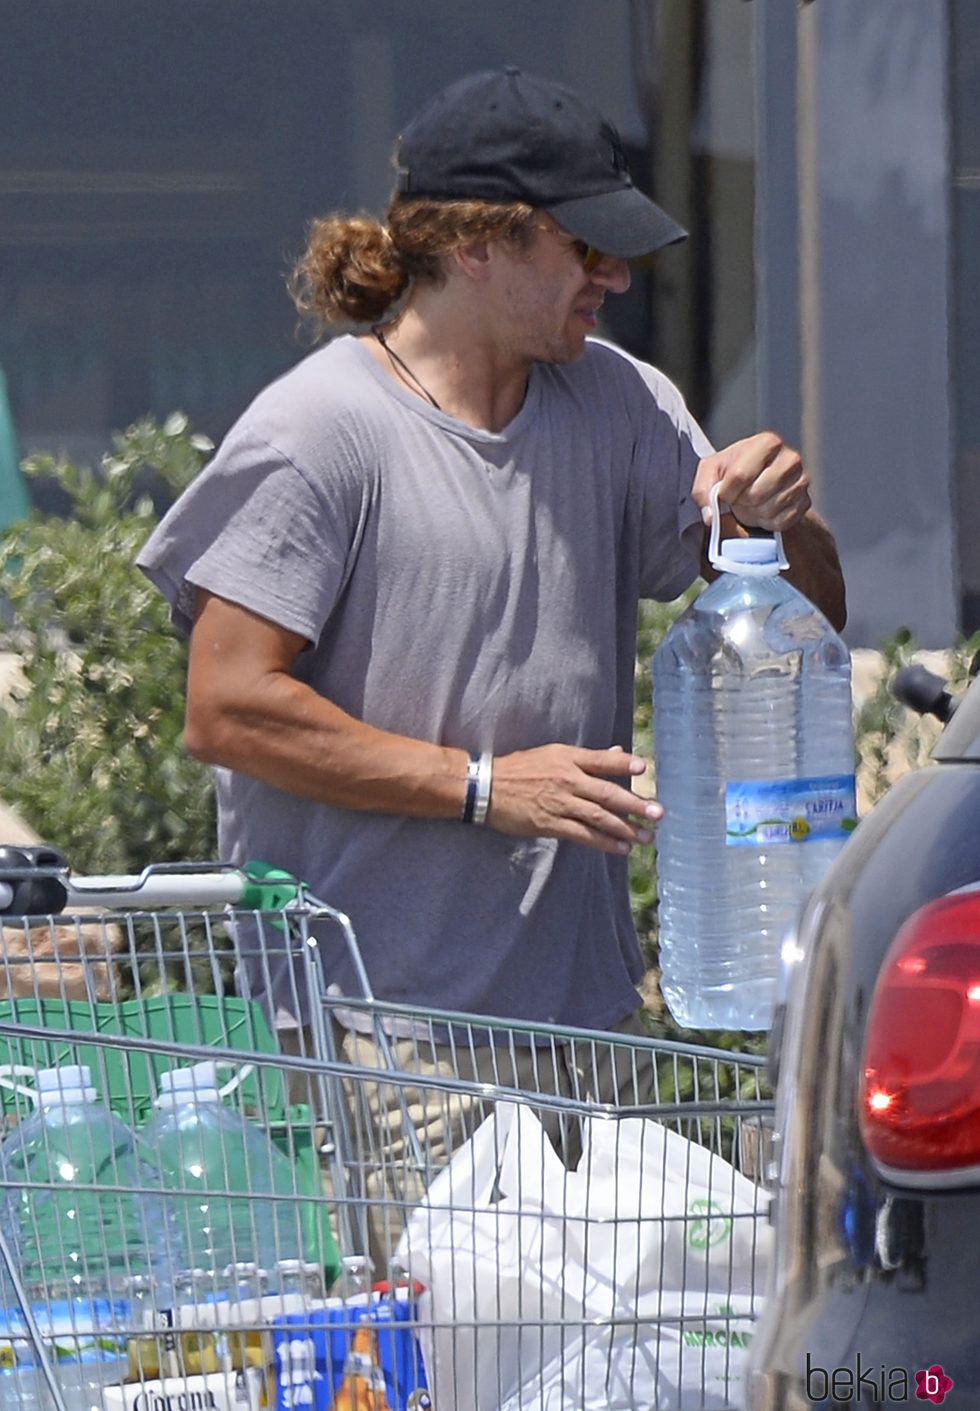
x=72, y=1083
x=743, y=560
x=200, y=1080
x=292, y=1266
x=756, y=551
x=187, y=1277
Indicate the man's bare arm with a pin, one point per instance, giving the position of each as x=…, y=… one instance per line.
x=246, y=711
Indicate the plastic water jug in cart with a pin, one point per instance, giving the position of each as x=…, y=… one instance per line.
x=754, y=746
x=233, y=1189
x=84, y=1215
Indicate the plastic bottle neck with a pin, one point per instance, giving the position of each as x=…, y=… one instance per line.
x=180, y=1097
x=197, y=1084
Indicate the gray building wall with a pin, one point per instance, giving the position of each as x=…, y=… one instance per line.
x=158, y=166
x=855, y=217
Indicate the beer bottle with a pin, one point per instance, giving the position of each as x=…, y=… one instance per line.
x=363, y=1386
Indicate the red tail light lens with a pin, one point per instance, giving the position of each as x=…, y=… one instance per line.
x=920, y=1094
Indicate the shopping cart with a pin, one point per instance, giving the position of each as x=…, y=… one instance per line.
x=510, y=1238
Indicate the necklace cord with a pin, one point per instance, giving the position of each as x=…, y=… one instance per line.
x=403, y=366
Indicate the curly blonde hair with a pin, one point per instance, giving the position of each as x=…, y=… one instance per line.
x=354, y=269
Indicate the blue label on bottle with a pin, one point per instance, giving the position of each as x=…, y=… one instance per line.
x=761, y=813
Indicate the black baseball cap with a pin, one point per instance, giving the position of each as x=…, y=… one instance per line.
x=506, y=135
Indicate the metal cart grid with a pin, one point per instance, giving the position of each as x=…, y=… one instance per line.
x=380, y=1174
x=638, y=1274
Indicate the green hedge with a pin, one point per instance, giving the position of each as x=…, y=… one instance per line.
x=91, y=749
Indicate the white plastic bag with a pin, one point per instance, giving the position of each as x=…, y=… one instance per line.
x=631, y=1282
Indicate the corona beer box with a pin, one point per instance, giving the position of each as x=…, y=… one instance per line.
x=218, y=1391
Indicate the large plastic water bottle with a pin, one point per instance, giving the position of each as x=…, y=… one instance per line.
x=83, y=1215
x=219, y=1168
x=755, y=770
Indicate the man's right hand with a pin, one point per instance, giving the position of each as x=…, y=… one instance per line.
x=562, y=791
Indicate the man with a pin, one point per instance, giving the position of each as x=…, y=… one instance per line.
x=412, y=570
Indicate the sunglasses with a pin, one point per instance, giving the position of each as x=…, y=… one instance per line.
x=589, y=257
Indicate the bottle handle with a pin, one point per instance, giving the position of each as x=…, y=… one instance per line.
x=9, y=1072
x=239, y=1073
x=721, y=561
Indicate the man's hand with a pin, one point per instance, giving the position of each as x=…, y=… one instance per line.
x=562, y=791
x=760, y=479
x=764, y=485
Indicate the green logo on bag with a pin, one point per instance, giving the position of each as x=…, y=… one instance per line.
x=708, y=1224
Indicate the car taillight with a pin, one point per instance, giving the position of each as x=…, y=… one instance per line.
x=920, y=1092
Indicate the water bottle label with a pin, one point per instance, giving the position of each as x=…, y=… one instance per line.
x=762, y=813
x=16, y=1352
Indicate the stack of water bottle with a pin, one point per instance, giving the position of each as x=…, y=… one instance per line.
x=160, y=1269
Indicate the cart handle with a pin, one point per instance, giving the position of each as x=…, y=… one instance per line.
x=258, y=886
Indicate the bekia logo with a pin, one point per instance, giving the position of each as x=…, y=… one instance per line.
x=875, y=1384
x=933, y=1384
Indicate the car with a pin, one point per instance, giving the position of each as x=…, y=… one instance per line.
x=872, y=1296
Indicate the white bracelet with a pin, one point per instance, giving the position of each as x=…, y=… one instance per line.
x=484, y=783
x=479, y=779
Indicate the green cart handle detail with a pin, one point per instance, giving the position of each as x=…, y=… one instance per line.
x=269, y=888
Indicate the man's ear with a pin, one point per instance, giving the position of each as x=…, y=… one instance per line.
x=476, y=260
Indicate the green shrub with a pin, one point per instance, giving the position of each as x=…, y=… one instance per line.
x=890, y=737
x=91, y=749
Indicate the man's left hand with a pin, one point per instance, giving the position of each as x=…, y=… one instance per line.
x=760, y=479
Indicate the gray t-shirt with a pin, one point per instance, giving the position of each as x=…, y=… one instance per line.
x=474, y=588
